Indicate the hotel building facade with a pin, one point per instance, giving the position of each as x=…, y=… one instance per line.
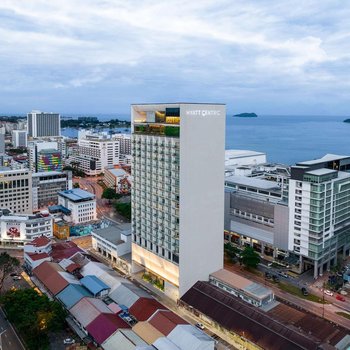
x=319, y=212
x=178, y=153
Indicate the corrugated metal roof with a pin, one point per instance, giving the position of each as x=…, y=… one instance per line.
x=165, y=344
x=38, y=256
x=72, y=294
x=127, y=294
x=123, y=339
x=165, y=321
x=103, y=272
x=235, y=315
x=87, y=309
x=114, y=307
x=104, y=325
x=188, y=337
x=64, y=250
x=147, y=332
x=76, y=195
x=41, y=241
x=50, y=275
x=144, y=308
x=93, y=284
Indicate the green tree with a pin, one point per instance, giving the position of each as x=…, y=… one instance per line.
x=76, y=185
x=250, y=258
x=34, y=316
x=231, y=251
x=124, y=209
x=109, y=193
x=8, y=264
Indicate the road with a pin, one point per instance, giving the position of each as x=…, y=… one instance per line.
x=103, y=208
x=8, y=337
x=328, y=310
x=314, y=287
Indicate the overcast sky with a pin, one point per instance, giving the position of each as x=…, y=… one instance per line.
x=98, y=56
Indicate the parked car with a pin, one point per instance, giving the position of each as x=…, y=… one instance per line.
x=275, y=278
x=340, y=297
x=16, y=278
x=328, y=292
x=283, y=274
x=268, y=275
x=304, y=291
x=200, y=325
x=68, y=341
x=13, y=274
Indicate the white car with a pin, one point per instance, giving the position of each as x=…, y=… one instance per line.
x=200, y=325
x=328, y=292
x=68, y=341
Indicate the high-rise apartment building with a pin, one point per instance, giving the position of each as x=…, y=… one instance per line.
x=16, y=190
x=43, y=124
x=19, y=138
x=319, y=212
x=178, y=155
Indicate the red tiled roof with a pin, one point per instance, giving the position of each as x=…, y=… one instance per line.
x=47, y=273
x=38, y=256
x=104, y=325
x=64, y=250
x=165, y=321
x=41, y=241
x=144, y=308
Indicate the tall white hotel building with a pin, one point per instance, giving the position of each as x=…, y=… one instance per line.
x=178, y=192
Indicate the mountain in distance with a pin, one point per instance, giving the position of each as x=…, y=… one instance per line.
x=245, y=115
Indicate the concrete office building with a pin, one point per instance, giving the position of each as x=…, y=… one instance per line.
x=80, y=203
x=113, y=242
x=256, y=214
x=46, y=186
x=178, y=192
x=19, y=138
x=42, y=124
x=44, y=156
x=18, y=229
x=16, y=190
x=118, y=179
x=95, y=152
x=319, y=211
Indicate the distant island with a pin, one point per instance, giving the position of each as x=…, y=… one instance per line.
x=246, y=115
x=347, y=120
x=93, y=122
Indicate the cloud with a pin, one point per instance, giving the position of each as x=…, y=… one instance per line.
x=202, y=50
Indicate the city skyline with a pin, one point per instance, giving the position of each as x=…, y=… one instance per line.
x=261, y=57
